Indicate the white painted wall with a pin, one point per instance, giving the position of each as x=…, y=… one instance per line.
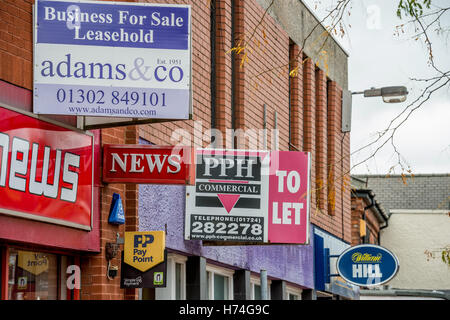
x=409, y=234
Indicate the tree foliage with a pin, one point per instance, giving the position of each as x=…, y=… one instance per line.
x=413, y=8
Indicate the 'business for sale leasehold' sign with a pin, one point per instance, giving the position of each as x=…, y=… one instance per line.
x=112, y=59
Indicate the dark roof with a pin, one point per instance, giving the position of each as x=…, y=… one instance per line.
x=421, y=191
x=372, y=203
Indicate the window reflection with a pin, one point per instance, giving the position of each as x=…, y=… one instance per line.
x=32, y=275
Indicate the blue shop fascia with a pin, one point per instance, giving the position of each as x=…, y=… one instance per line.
x=328, y=284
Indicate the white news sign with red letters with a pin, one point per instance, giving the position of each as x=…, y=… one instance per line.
x=249, y=196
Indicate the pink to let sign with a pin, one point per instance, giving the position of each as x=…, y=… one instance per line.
x=288, y=210
x=249, y=196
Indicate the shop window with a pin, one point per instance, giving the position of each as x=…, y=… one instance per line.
x=34, y=275
x=293, y=293
x=255, y=287
x=219, y=283
x=256, y=292
x=293, y=297
x=179, y=281
x=176, y=279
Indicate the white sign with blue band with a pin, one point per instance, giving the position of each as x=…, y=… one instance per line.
x=112, y=59
x=367, y=265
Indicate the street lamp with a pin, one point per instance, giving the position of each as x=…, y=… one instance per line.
x=394, y=94
x=390, y=94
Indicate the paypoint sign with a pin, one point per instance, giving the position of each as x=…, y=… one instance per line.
x=33, y=262
x=144, y=250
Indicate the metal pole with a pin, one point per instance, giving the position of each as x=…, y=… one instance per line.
x=263, y=276
x=265, y=127
x=275, y=133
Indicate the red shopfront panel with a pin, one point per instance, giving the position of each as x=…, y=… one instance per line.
x=46, y=183
x=46, y=171
x=147, y=164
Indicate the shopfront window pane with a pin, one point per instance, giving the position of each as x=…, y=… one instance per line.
x=293, y=296
x=208, y=283
x=63, y=278
x=178, y=281
x=220, y=287
x=257, y=292
x=32, y=275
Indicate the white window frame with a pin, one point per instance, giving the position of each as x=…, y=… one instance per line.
x=228, y=273
x=292, y=290
x=169, y=292
x=256, y=280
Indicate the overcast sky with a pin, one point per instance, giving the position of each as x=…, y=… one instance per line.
x=378, y=58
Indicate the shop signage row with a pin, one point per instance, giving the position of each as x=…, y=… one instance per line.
x=46, y=174
x=112, y=59
x=232, y=195
x=144, y=261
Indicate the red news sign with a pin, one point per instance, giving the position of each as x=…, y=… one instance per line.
x=46, y=171
x=146, y=164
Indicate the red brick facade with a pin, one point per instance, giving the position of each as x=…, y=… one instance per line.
x=310, y=113
x=371, y=222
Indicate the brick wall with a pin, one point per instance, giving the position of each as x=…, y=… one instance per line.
x=373, y=226
x=223, y=66
x=263, y=80
x=16, y=45
x=321, y=139
x=95, y=285
x=296, y=97
x=163, y=133
x=309, y=124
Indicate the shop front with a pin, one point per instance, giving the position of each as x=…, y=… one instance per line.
x=328, y=284
x=197, y=271
x=226, y=268
x=49, y=217
x=38, y=275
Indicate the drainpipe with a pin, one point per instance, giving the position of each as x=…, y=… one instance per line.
x=386, y=224
x=369, y=195
x=213, y=66
x=233, y=73
x=371, y=205
x=263, y=275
